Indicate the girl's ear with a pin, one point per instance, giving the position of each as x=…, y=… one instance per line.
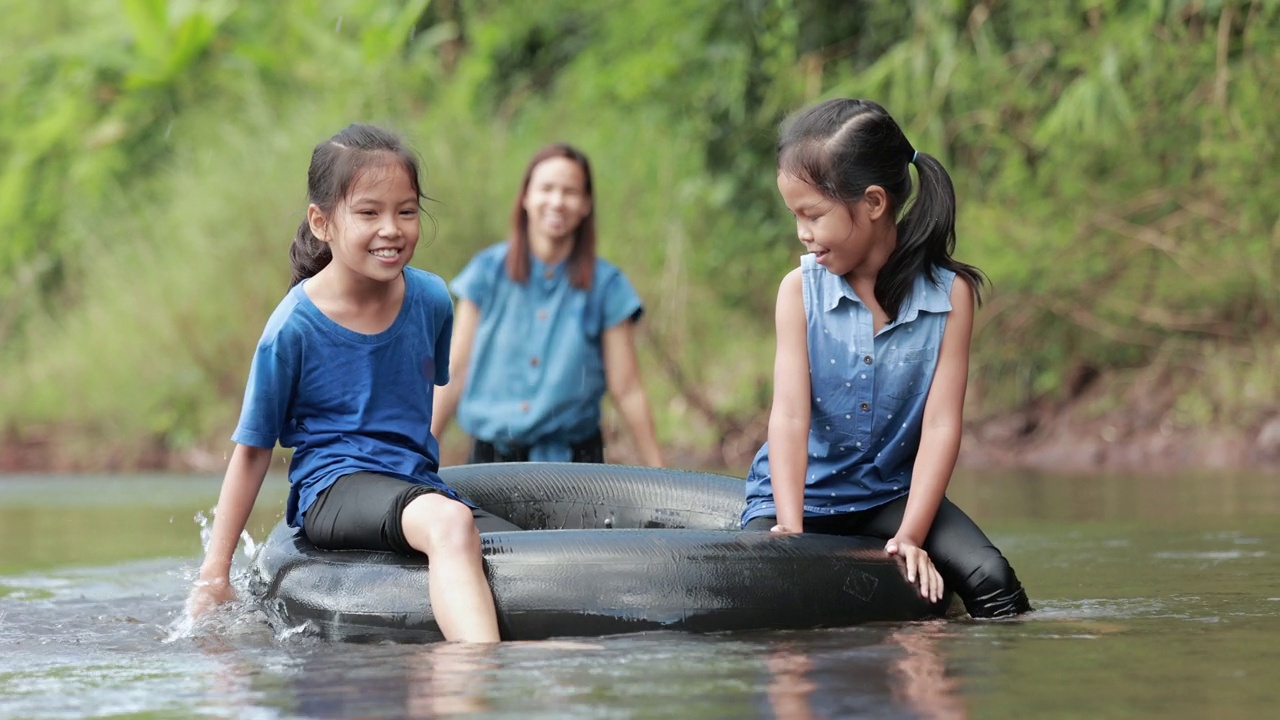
x=877, y=202
x=318, y=222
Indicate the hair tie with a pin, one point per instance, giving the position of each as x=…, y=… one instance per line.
x=914, y=154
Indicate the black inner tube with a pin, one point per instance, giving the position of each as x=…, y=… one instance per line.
x=607, y=549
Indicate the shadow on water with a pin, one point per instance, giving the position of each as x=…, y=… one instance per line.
x=1155, y=598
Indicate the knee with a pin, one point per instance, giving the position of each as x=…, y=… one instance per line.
x=434, y=523
x=993, y=590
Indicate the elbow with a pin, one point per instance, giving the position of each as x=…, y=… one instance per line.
x=626, y=391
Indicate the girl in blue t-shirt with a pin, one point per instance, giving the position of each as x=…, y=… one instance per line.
x=873, y=357
x=344, y=374
x=543, y=329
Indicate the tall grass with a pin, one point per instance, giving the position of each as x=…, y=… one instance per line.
x=184, y=269
x=1113, y=167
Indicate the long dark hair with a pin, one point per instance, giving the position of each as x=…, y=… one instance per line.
x=842, y=147
x=582, y=258
x=335, y=165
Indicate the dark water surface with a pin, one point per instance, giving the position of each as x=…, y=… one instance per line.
x=1156, y=597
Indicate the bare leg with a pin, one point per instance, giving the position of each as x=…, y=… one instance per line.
x=443, y=530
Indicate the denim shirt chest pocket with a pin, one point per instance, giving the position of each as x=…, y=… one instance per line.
x=910, y=356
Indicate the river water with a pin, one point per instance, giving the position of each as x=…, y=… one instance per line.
x=1156, y=597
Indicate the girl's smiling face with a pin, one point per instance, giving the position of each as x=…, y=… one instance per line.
x=827, y=228
x=374, y=230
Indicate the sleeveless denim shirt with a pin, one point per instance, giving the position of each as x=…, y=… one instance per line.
x=867, y=394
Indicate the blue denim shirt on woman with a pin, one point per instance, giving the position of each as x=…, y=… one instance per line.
x=537, y=373
x=867, y=398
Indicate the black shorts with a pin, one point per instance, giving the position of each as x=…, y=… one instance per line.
x=363, y=512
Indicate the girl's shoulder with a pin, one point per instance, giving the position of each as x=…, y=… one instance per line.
x=427, y=288
x=930, y=293
x=284, y=319
x=418, y=279
x=932, y=290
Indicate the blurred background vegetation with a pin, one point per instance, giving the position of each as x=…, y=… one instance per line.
x=1115, y=164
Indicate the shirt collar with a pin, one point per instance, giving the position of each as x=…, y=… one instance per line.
x=543, y=272
x=843, y=290
x=925, y=296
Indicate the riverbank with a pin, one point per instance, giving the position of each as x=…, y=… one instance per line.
x=1060, y=441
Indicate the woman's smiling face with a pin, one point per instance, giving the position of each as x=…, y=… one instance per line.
x=556, y=199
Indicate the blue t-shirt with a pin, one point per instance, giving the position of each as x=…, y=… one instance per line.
x=537, y=372
x=868, y=392
x=347, y=402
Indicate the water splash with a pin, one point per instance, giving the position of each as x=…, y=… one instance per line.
x=297, y=633
x=234, y=613
x=206, y=534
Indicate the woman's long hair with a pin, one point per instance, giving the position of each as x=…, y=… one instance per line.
x=582, y=258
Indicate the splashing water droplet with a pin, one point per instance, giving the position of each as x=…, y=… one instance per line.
x=250, y=547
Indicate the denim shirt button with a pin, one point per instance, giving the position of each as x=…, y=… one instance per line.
x=865, y=407
x=867, y=359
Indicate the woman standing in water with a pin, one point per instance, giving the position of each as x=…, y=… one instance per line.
x=542, y=328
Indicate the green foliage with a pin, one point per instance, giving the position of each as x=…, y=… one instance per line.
x=1114, y=162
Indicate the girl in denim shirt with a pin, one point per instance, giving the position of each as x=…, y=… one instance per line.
x=873, y=357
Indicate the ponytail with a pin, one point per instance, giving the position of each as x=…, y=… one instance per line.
x=307, y=255
x=926, y=238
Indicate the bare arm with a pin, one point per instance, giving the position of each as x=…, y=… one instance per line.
x=622, y=374
x=939, y=438
x=466, y=318
x=790, y=416
x=240, y=486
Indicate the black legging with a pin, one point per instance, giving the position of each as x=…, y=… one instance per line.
x=966, y=559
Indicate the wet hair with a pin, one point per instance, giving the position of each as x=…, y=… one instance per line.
x=582, y=258
x=841, y=147
x=336, y=164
